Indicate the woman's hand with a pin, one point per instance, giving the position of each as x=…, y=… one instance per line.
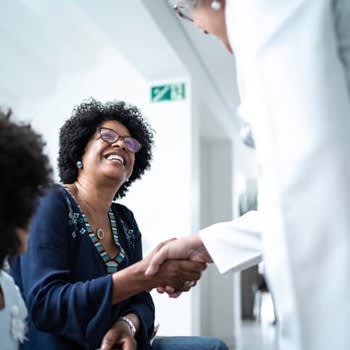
x=189, y=248
x=178, y=275
x=119, y=336
x=176, y=293
x=173, y=273
x=177, y=271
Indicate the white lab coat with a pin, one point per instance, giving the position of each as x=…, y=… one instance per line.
x=293, y=63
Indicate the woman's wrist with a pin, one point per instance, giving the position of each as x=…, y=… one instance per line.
x=129, y=323
x=131, y=281
x=133, y=322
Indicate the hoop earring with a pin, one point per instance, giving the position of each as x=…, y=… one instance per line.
x=79, y=164
x=215, y=5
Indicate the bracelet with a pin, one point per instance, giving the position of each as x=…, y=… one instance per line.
x=129, y=323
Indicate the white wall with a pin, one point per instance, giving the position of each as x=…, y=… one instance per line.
x=110, y=78
x=245, y=173
x=217, y=302
x=162, y=200
x=223, y=165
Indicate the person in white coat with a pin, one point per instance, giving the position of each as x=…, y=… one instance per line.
x=293, y=64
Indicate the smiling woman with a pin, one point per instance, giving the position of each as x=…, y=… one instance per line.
x=85, y=122
x=83, y=276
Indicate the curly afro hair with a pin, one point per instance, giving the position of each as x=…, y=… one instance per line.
x=25, y=173
x=80, y=127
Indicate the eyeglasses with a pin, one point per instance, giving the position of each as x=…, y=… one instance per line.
x=110, y=136
x=183, y=12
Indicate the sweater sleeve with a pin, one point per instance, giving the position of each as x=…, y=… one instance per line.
x=80, y=311
x=141, y=304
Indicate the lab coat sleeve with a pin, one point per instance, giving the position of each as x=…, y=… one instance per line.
x=293, y=61
x=234, y=245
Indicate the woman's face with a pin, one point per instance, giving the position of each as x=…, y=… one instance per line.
x=212, y=21
x=102, y=160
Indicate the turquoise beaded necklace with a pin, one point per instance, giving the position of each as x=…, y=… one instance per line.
x=110, y=263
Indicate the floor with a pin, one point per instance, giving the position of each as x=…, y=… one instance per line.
x=258, y=336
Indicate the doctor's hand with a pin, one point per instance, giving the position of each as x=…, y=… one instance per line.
x=120, y=337
x=189, y=248
x=176, y=275
x=173, y=274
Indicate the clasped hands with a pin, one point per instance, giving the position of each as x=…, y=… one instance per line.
x=174, y=266
x=181, y=259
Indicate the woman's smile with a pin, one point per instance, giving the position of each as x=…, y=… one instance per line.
x=115, y=157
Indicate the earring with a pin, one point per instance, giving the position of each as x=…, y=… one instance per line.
x=216, y=5
x=79, y=164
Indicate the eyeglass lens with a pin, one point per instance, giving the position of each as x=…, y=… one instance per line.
x=111, y=136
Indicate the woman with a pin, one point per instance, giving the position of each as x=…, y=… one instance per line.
x=83, y=275
x=24, y=172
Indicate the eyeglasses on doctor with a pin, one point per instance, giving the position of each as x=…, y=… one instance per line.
x=184, y=13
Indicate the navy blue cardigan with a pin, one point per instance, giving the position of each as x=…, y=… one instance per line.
x=64, y=282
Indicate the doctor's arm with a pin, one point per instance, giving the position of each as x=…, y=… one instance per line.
x=233, y=245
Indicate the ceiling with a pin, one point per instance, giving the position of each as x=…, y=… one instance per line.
x=217, y=62
x=41, y=38
x=206, y=61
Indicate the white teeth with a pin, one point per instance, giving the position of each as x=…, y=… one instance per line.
x=115, y=157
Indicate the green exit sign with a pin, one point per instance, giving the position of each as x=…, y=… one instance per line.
x=168, y=92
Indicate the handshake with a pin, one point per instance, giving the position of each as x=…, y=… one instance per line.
x=174, y=266
x=177, y=264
